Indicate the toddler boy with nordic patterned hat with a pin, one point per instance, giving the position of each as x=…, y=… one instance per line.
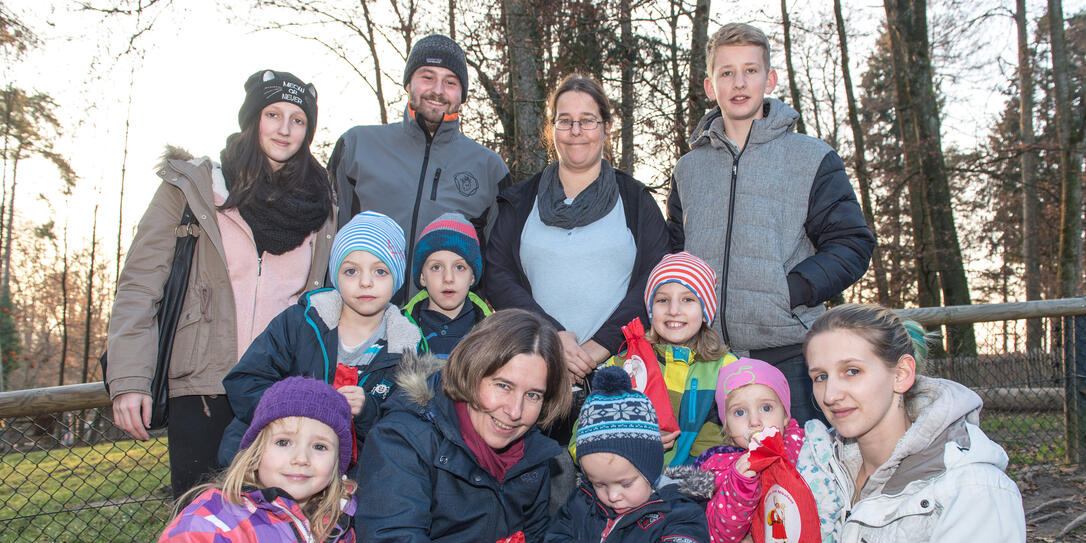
x=624, y=497
x=447, y=263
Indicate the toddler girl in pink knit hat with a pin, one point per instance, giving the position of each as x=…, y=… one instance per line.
x=753, y=399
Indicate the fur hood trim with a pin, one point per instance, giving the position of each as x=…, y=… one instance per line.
x=173, y=152
x=401, y=334
x=414, y=375
x=692, y=482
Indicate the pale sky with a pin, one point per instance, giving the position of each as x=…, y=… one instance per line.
x=188, y=87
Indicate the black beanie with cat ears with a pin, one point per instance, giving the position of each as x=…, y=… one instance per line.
x=268, y=87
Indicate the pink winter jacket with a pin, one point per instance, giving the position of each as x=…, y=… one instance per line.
x=731, y=509
x=264, y=285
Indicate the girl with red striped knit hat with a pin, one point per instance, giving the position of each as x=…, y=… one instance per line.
x=681, y=301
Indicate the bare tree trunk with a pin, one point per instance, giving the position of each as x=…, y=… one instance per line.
x=682, y=117
x=11, y=219
x=1030, y=203
x=897, y=279
x=927, y=278
x=814, y=100
x=1070, y=169
x=371, y=42
x=405, y=23
x=64, y=308
x=697, y=101
x=89, y=304
x=906, y=22
x=120, y=197
x=863, y=178
x=9, y=98
x=526, y=85
x=626, y=107
x=452, y=20
x=796, y=103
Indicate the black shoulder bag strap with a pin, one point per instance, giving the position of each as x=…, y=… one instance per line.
x=168, y=315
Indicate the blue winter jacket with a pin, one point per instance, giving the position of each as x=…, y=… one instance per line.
x=303, y=340
x=419, y=482
x=674, y=513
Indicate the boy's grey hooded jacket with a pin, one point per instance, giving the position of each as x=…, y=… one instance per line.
x=778, y=220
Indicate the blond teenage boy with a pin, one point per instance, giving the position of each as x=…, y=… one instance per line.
x=772, y=211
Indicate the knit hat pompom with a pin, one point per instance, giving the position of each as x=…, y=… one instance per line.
x=449, y=232
x=304, y=397
x=611, y=383
x=267, y=87
x=690, y=272
x=620, y=420
x=375, y=233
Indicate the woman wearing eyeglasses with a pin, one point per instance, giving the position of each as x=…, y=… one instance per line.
x=576, y=241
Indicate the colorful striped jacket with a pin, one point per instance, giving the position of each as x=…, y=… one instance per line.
x=266, y=515
x=692, y=388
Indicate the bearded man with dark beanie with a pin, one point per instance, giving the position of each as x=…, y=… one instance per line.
x=424, y=166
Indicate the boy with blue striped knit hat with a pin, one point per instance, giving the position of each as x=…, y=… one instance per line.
x=350, y=337
x=624, y=496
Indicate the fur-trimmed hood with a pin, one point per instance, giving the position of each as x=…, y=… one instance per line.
x=176, y=152
x=326, y=304
x=692, y=482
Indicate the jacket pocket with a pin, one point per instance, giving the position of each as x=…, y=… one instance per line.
x=190, y=337
x=433, y=187
x=897, y=518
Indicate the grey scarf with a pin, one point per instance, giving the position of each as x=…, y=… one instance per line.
x=591, y=205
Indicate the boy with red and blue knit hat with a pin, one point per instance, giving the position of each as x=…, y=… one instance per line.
x=623, y=496
x=447, y=263
x=351, y=336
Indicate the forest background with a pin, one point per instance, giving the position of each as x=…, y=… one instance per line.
x=962, y=128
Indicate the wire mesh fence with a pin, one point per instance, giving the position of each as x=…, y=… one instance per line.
x=1023, y=391
x=74, y=476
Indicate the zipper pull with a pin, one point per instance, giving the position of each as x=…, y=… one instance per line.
x=735, y=168
x=259, y=265
x=693, y=400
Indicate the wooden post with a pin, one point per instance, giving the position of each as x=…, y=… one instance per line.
x=1074, y=373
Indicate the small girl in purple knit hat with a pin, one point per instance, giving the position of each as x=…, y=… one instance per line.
x=752, y=396
x=288, y=481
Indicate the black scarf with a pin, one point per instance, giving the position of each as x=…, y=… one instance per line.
x=282, y=217
x=591, y=205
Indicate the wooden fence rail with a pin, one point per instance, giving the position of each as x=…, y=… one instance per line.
x=42, y=401
x=39, y=401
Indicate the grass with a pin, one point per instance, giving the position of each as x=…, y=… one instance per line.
x=1029, y=438
x=69, y=495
